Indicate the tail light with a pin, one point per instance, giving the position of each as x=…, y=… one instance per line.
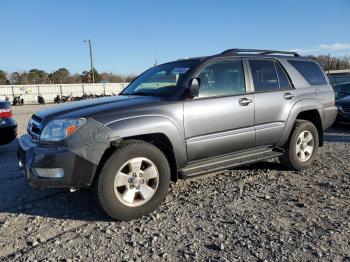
x=5, y=113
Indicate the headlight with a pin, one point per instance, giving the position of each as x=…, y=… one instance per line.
x=59, y=129
x=340, y=108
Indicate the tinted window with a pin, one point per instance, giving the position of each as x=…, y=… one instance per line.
x=343, y=90
x=264, y=75
x=339, y=78
x=282, y=77
x=222, y=78
x=310, y=71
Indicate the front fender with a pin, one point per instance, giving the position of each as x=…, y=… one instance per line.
x=151, y=124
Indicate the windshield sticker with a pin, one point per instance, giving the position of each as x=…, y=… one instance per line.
x=180, y=70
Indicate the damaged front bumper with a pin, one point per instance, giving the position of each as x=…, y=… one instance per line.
x=53, y=167
x=69, y=164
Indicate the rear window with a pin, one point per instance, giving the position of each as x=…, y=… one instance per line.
x=310, y=71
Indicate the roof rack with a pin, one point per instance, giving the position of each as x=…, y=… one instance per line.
x=234, y=51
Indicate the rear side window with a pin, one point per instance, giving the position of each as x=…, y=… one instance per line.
x=264, y=75
x=310, y=71
x=282, y=77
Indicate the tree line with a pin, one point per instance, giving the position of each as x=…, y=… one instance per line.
x=60, y=76
x=63, y=76
x=332, y=63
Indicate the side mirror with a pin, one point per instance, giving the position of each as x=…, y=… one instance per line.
x=194, y=87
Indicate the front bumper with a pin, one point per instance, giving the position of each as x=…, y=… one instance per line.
x=78, y=172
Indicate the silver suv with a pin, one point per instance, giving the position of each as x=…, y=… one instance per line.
x=181, y=119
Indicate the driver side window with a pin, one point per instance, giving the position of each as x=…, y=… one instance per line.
x=222, y=78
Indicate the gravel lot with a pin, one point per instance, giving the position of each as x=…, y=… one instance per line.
x=253, y=213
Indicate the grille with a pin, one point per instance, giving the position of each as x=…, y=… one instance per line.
x=346, y=109
x=34, y=127
x=37, y=118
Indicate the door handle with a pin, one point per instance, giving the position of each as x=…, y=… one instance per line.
x=245, y=101
x=288, y=96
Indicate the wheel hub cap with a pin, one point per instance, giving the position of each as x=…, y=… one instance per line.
x=304, y=146
x=136, y=181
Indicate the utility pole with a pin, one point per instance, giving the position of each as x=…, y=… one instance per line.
x=91, y=64
x=155, y=56
x=328, y=63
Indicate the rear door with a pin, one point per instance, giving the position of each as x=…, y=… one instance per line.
x=221, y=119
x=273, y=96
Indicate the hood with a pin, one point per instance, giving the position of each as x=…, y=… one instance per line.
x=92, y=107
x=343, y=101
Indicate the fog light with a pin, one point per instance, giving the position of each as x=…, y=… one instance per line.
x=49, y=172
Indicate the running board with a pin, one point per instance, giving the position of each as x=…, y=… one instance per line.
x=227, y=161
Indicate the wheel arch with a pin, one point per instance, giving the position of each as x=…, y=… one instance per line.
x=308, y=109
x=158, y=130
x=314, y=117
x=162, y=142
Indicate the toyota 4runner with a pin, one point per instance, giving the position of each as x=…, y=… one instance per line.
x=181, y=119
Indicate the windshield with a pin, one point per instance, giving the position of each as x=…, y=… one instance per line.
x=162, y=80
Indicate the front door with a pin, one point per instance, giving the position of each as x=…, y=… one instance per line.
x=221, y=119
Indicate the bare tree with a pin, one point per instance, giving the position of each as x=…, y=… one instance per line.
x=61, y=76
x=332, y=63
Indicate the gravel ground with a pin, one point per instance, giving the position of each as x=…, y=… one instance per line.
x=253, y=213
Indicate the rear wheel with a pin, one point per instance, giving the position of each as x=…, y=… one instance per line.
x=134, y=181
x=302, y=147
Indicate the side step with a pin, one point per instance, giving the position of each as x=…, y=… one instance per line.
x=226, y=162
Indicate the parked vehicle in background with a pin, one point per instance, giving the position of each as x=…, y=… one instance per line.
x=181, y=119
x=18, y=101
x=342, y=90
x=342, y=93
x=41, y=100
x=8, y=126
x=337, y=77
x=343, y=105
x=343, y=102
x=58, y=99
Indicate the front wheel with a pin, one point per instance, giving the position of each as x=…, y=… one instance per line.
x=134, y=180
x=302, y=147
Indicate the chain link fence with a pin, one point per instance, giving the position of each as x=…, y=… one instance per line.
x=30, y=93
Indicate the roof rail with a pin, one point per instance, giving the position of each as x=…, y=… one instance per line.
x=258, y=51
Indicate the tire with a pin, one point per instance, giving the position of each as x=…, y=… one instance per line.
x=299, y=142
x=7, y=135
x=134, y=181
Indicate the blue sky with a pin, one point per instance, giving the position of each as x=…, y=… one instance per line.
x=127, y=35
